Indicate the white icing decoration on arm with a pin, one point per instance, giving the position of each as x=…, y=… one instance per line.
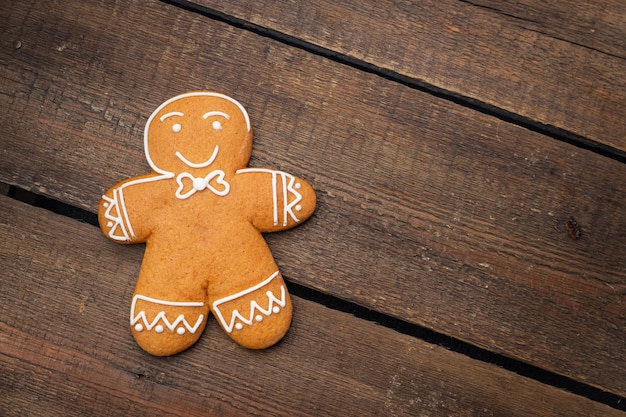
x=287, y=187
x=120, y=222
x=161, y=316
x=117, y=230
x=273, y=307
x=287, y=207
x=201, y=164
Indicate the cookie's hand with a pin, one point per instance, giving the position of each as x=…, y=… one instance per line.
x=116, y=212
x=112, y=216
x=281, y=200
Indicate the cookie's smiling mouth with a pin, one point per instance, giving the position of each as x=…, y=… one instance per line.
x=202, y=164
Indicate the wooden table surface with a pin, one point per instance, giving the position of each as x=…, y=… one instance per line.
x=449, y=142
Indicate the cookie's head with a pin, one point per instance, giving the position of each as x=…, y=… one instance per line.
x=196, y=130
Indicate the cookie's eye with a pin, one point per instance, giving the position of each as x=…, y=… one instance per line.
x=216, y=124
x=176, y=127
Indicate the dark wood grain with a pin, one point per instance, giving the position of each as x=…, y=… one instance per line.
x=428, y=211
x=599, y=25
x=558, y=63
x=65, y=349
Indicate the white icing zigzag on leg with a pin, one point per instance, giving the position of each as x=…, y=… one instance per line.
x=134, y=319
x=274, y=306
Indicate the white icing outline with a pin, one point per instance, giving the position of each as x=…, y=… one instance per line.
x=121, y=222
x=161, y=315
x=171, y=100
x=254, y=306
x=292, y=187
x=202, y=164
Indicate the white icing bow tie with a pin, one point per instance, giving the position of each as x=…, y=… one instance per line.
x=201, y=183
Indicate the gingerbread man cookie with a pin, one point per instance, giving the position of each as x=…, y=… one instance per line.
x=201, y=213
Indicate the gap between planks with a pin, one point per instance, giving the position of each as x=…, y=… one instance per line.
x=83, y=188
x=473, y=103
x=419, y=332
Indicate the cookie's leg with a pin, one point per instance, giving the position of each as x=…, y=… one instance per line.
x=256, y=317
x=164, y=327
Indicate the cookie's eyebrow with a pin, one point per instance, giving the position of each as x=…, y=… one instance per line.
x=174, y=113
x=215, y=113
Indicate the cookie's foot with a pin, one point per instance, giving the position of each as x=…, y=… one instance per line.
x=257, y=317
x=164, y=327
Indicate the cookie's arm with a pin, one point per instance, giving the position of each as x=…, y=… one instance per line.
x=116, y=211
x=281, y=200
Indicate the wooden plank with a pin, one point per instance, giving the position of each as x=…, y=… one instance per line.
x=530, y=59
x=65, y=349
x=599, y=25
x=429, y=212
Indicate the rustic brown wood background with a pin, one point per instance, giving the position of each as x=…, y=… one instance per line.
x=448, y=141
